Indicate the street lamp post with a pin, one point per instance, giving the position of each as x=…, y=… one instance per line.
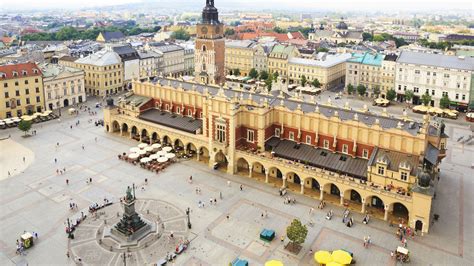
x=189, y=219
x=69, y=235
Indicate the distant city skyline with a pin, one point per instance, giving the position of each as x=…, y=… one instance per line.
x=310, y=5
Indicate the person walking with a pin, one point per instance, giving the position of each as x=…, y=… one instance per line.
x=24, y=159
x=241, y=187
x=82, y=146
x=55, y=160
x=67, y=182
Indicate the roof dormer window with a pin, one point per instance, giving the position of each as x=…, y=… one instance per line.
x=35, y=71
x=15, y=74
x=24, y=73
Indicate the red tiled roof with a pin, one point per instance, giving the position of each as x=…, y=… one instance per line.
x=6, y=39
x=248, y=36
x=7, y=71
x=297, y=35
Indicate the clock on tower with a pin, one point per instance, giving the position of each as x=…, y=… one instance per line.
x=209, y=50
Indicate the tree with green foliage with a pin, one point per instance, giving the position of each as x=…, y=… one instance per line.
x=322, y=50
x=376, y=91
x=409, y=95
x=297, y=233
x=263, y=75
x=444, y=101
x=303, y=80
x=367, y=36
x=279, y=30
x=275, y=76
x=236, y=72
x=378, y=38
x=268, y=82
x=24, y=126
x=426, y=99
x=391, y=94
x=316, y=83
x=253, y=73
x=229, y=32
x=350, y=89
x=361, y=89
x=180, y=34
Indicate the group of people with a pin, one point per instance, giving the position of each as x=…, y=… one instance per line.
x=348, y=221
x=321, y=205
x=367, y=241
x=289, y=200
x=329, y=215
x=403, y=232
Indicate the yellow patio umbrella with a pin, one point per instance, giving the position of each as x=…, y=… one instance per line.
x=420, y=108
x=273, y=263
x=322, y=257
x=333, y=263
x=341, y=256
x=435, y=110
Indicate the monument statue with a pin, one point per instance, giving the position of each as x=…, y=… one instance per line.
x=129, y=197
x=131, y=223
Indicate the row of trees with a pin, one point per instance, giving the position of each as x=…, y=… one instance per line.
x=383, y=37
x=71, y=33
x=391, y=95
x=180, y=34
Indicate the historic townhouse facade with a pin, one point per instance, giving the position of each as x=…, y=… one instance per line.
x=22, y=90
x=365, y=69
x=278, y=59
x=239, y=55
x=371, y=163
x=436, y=75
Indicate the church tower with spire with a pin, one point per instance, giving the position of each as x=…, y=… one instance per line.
x=209, y=54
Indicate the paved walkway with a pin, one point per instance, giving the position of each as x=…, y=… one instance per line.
x=37, y=199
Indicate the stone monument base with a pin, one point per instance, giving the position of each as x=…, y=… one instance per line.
x=132, y=240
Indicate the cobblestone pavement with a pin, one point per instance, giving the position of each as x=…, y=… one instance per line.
x=37, y=199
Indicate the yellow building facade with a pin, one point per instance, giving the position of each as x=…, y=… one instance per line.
x=22, y=90
x=278, y=59
x=369, y=163
x=239, y=55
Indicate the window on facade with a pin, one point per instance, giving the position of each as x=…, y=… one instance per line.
x=250, y=136
x=291, y=136
x=5, y=85
x=36, y=80
x=404, y=176
x=381, y=170
x=220, y=131
x=190, y=112
x=416, y=89
x=27, y=100
x=6, y=94
x=464, y=97
x=38, y=99
x=365, y=153
x=26, y=82
x=345, y=148
x=417, y=71
x=18, y=102
x=277, y=132
x=432, y=92
x=308, y=139
x=326, y=144
x=7, y=104
x=167, y=107
x=446, y=75
x=17, y=93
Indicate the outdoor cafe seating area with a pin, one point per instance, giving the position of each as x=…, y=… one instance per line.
x=34, y=118
x=153, y=157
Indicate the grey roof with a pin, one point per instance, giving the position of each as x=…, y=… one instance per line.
x=126, y=52
x=166, y=47
x=101, y=58
x=336, y=162
x=394, y=159
x=147, y=54
x=53, y=70
x=112, y=35
x=135, y=100
x=175, y=121
x=368, y=118
x=330, y=60
x=239, y=44
x=438, y=60
x=432, y=154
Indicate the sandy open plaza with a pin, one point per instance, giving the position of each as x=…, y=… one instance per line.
x=35, y=198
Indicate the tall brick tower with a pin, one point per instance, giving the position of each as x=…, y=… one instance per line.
x=209, y=54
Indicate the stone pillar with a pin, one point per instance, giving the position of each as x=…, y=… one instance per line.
x=151, y=140
x=342, y=199
x=321, y=194
x=267, y=172
x=363, y=206
x=284, y=182
x=121, y=132
x=250, y=171
x=302, y=187
x=385, y=217
x=198, y=155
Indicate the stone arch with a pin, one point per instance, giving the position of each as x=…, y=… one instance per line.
x=399, y=210
x=134, y=133
x=115, y=126
x=191, y=148
x=107, y=128
x=220, y=161
x=312, y=187
x=124, y=128
x=155, y=138
x=353, y=195
x=144, y=135
x=293, y=177
x=243, y=166
x=275, y=176
x=203, y=154
x=258, y=168
x=332, y=189
x=178, y=144
x=419, y=225
x=166, y=140
x=374, y=201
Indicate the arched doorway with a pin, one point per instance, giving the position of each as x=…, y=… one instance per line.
x=191, y=150
x=203, y=155
x=134, y=132
x=178, y=145
x=418, y=225
x=66, y=102
x=400, y=211
x=124, y=128
x=275, y=176
x=144, y=136
x=335, y=190
x=166, y=140
x=155, y=138
x=375, y=202
x=115, y=126
x=258, y=171
x=221, y=161
x=353, y=195
x=243, y=167
x=315, y=184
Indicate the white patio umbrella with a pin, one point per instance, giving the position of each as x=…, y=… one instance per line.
x=2, y=123
x=161, y=153
x=133, y=156
x=156, y=146
x=154, y=156
x=16, y=119
x=142, y=145
x=162, y=159
x=145, y=160
x=170, y=155
x=167, y=149
x=148, y=149
x=47, y=112
x=134, y=149
x=9, y=122
x=141, y=152
x=35, y=115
